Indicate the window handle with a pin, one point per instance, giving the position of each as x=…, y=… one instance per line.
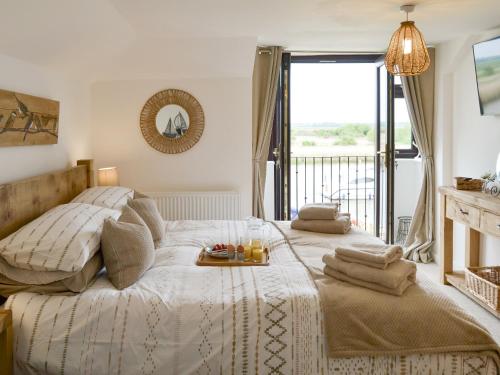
x=463, y=212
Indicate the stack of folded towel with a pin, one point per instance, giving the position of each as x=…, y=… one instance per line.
x=381, y=269
x=322, y=218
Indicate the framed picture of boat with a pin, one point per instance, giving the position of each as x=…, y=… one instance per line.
x=27, y=120
x=172, y=121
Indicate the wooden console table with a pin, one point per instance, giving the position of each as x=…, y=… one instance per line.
x=480, y=213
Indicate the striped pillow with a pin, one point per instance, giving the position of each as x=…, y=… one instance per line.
x=114, y=197
x=62, y=239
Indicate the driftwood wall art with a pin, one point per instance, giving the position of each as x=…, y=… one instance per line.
x=27, y=120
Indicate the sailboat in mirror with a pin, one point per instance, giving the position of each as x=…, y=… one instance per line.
x=180, y=124
x=169, y=131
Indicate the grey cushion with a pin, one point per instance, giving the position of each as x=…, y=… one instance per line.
x=138, y=194
x=129, y=215
x=127, y=248
x=148, y=211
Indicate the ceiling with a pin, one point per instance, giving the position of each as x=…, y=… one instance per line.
x=97, y=36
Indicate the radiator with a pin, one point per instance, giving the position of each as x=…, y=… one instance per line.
x=213, y=205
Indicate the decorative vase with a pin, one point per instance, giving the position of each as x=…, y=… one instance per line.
x=492, y=188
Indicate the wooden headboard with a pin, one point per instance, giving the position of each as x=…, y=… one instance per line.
x=25, y=200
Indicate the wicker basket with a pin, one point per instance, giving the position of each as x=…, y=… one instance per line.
x=484, y=283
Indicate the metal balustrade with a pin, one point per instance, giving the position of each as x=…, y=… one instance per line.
x=348, y=180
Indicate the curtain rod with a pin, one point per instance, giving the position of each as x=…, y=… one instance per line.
x=334, y=52
x=264, y=51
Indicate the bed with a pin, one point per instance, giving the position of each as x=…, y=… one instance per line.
x=182, y=319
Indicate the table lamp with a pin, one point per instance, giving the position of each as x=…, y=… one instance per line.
x=107, y=176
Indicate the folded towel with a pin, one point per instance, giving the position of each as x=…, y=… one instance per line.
x=399, y=291
x=341, y=225
x=397, y=273
x=378, y=257
x=319, y=211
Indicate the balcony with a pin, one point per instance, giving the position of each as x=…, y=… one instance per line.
x=348, y=180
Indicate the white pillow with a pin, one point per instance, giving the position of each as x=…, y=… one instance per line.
x=114, y=197
x=62, y=239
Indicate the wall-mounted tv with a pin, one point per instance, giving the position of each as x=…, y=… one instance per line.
x=487, y=60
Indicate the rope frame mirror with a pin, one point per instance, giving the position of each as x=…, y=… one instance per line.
x=181, y=133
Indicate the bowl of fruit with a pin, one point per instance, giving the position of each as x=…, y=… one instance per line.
x=218, y=250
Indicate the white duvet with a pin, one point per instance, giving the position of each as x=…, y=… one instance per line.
x=184, y=319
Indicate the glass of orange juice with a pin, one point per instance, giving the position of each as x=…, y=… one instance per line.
x=247, y=250
x=257, y=254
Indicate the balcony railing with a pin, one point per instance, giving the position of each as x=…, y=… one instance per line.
x=348, y=180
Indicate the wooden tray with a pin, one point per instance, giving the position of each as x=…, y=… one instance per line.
x=206, y=260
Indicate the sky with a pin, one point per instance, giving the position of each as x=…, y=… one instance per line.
x=333, y=93
x=487, y=49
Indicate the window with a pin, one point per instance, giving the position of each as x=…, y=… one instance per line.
x=403, y=136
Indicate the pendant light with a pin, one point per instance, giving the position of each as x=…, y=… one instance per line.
x=407, y=53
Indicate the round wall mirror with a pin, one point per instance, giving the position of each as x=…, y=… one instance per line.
x=172, y=121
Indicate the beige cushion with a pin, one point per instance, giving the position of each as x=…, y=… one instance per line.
x=138, y=194
x=129, y=215
x=148, y=211
x=127, y=247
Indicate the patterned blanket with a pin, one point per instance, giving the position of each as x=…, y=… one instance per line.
x=184, y=319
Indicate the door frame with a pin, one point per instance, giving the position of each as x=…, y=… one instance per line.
x=281, y=134
x=280, y=142
x=389, y=158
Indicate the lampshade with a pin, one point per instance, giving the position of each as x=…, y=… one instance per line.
x=107, y=176
x=407, y=53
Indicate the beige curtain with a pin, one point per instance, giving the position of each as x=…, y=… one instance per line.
x=266, y=72
x=419, y=95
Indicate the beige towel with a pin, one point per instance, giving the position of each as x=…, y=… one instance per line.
x=395, y=279
x=379, y=257
x=341, y=225
x=379, y=288
x=319, y=211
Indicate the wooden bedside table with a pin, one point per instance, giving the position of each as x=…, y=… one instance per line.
x=5, y=342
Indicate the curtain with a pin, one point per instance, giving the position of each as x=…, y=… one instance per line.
x=266, y=73
x=419, y=95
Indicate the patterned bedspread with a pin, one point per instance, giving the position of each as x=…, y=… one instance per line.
x=184, y=319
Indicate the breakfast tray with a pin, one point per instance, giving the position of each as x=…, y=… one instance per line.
x=206, y=260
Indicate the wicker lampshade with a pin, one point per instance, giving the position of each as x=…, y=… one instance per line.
x=407, y=53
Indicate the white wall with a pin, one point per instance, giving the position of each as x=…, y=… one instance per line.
x=74, y=131
x=269, y=191
x=221, y=160
x=466, y=143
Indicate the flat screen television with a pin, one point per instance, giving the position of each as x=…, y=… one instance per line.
x=487, y=61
